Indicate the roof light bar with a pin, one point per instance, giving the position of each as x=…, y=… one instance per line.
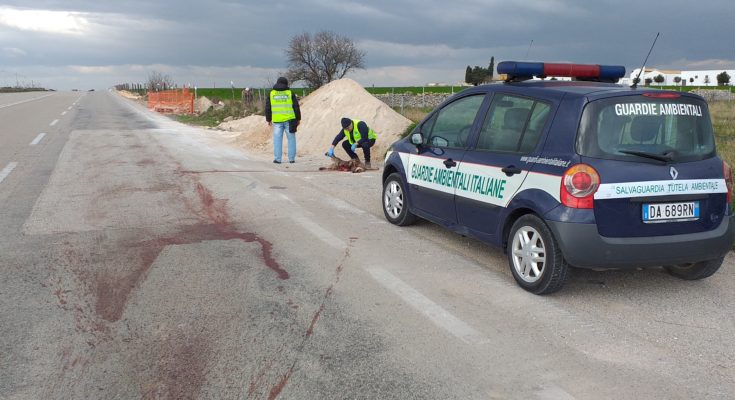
x=517, y=70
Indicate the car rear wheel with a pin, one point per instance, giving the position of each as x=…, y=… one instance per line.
x=694, y=271
x=395, y=207
x=534, y=256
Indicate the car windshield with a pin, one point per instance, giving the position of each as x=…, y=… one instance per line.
x=648, y=129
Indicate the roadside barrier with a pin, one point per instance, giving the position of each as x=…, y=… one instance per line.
x=172, y=101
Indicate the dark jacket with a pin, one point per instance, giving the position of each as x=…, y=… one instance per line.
x=296, y=110
x=361, y=127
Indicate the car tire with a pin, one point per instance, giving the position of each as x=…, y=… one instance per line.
x=395, y=206
x=534, y=256
x=695, y=271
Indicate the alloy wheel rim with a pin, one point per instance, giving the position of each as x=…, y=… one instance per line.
x=393, y=199
x=529, y=254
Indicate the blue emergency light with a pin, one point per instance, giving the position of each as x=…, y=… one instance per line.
x=518, y=70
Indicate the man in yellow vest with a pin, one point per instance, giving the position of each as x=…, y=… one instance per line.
x=358, y=134
x=283, y=114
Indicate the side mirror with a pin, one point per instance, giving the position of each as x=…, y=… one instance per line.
x=417, y=139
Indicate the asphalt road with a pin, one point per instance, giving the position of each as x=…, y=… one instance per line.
x=141, y=258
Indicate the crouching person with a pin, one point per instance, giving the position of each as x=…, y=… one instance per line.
x=358, y=135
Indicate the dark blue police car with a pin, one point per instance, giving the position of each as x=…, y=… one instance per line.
x=583, y=173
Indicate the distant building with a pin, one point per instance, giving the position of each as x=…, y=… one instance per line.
x=688, y=78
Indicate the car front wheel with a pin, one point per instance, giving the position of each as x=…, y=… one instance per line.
x=694, y=271
x=534, y=256
x=395, y=206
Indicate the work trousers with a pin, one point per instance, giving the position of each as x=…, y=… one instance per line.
x=365, y=149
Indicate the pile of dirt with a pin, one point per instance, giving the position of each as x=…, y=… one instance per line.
x=202, y=104
x=321, y=112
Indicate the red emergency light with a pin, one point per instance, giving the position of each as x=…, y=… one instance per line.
x=526, y=70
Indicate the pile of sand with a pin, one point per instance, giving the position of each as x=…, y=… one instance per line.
x=321, y=112
x=202, y=104
x=129, y=95
x=252, y=131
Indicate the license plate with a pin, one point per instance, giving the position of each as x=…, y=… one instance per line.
x=671, y=212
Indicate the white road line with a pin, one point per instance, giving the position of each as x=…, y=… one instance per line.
x=24, y=101
x=53, y=122
x=63, y=113
x=343, y=205
x=38, y=138
x=553, y=392
x=7, y=170
x=70, y=106
x=284, y=197
x=321, y=233
x=439, y=316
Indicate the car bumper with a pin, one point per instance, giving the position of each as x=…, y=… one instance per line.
x=584, y=247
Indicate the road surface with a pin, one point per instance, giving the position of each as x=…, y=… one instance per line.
x=141, y=258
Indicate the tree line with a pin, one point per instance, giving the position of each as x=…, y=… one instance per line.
x=478, y=75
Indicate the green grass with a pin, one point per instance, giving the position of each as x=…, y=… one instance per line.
x=226, y=93
x=723, y=122
x=200, y=120
x=415, y=89
x=18, y=90
x=688, y=88
x=214, y=117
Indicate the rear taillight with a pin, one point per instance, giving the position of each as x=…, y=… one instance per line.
x=728, y=180
x=578, y=186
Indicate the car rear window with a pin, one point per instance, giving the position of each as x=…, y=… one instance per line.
x=642, y=128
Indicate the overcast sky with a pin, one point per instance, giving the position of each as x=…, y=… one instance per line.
x=66, y=44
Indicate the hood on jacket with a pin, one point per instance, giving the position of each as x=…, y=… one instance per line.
x=281, y=84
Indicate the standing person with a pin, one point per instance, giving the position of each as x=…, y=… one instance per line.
x=283, y=114
x=247, y=97
x=358, y=134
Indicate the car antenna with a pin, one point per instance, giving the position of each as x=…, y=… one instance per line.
x=529, y=49
x=638, y=78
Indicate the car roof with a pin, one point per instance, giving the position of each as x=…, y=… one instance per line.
x=591, y=90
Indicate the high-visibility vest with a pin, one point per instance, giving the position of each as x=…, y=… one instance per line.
x=282, y=106
x=355, y=135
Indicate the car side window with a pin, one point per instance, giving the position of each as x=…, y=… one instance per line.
x=536, y=124
x=451, y=126
x=513, y=124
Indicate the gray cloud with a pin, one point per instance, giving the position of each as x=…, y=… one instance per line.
x=77, y=42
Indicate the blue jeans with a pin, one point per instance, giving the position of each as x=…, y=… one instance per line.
x=278, y=129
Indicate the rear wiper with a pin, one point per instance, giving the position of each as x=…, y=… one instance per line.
x=666, y=157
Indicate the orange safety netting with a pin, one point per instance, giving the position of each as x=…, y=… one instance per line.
x=172, y=101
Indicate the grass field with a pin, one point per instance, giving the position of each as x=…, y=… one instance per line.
x=228, y=93
x=415, y=89
x=723, y=121
x=690, y=88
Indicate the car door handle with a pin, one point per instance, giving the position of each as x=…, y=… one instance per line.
x=449, y=163
x=511, y=170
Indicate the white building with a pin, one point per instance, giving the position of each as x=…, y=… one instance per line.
x=688, y=78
